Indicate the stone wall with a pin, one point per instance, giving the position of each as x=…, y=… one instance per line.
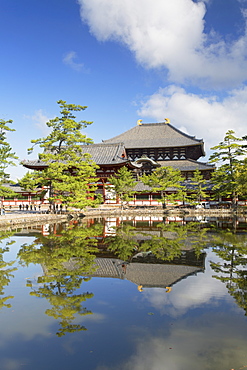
x=28, y=218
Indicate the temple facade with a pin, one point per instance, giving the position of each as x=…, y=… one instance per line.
x=142, y=149
x=161, y=144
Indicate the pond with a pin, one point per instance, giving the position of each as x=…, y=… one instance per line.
x=143, y=293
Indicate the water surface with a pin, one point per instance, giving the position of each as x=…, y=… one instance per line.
x=133, y=295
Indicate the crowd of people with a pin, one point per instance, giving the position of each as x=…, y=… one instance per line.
x=55, y=208
x=31, y=207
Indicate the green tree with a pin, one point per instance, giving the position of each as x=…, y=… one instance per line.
x=69, y=173
x=198, y=190
x=161, y=180
x=228, y=154
x=123, y=184
x=7, y=157
x=241, y=177
x=29, y=181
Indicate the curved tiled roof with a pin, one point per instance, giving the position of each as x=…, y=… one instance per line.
x=148, y=275
x=106, y=153
x=102, y=154
x=187, y=165
x=154, y=135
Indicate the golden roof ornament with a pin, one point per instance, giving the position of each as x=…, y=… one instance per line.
x=167, y=120
x=139, y=122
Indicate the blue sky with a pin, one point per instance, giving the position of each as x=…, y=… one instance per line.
x=126, y=60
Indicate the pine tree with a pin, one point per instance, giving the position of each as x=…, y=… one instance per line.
x=228, y=154
x=70, y=174
x=7, y=157
x=198, y=182
x=123, y=184
x=161, y=180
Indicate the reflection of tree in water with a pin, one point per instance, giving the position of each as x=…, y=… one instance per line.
x=124, y=243
x=174, y=238
x=232, y=271
x=65, y=258
x=5, y=269
x=166, y=243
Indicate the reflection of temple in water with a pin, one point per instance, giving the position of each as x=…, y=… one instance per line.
x=143, y=268
x=146, y=270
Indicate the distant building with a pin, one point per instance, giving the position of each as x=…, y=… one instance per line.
x=23, y=197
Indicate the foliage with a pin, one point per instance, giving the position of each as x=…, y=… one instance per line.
x=162, y=179
x=66, y=257
x=231, y=269
x=123, y=244
x=69, y=173
x=228, y=152
x=123, y=183
x=167, y=244
x=29, y=181
x=7, y=157
x=241, y=177
x=5, y=268
x=173, y=238
x=198, y=182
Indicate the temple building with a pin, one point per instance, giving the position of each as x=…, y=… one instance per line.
x=142, y=149
x=161, y=144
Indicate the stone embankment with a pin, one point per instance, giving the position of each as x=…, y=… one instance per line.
x=145, y=211
x=15, y=217
x=19, y=218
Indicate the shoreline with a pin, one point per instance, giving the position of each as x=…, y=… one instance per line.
x=111, y=211
x=15, y=217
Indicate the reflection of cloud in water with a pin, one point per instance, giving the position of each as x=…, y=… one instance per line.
x=203, y=343
x=185, y=295
x=25, y=323
x=28, y=326
x=94, y=317
x=11, y=364
x=191, y=292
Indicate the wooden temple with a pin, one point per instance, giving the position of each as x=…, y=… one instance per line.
x=142, y=149
x=161, y=144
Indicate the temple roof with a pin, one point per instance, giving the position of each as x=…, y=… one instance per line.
x=106, y=153
x=188, y=184
x=102, y=154
x=18, y=189
x=147, y=275
x=155, y=135
x=187, y=165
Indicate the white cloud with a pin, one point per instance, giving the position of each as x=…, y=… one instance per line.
x=203, y=116
x=69, y=60
x=40, y=119
x=170, y=34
